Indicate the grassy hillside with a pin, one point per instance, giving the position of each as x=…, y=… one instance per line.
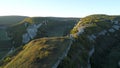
x=95, y=43
x=99, y=33
x=59, y=27
x=54, y=26
x=12, y=36
x=96, y=22
x=51, y=27
x=38, y=53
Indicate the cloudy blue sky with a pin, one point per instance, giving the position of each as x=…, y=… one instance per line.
x=59, y=8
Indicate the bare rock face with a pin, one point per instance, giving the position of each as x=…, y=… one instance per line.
x=31, y=32
x=94, y=43
x=117, y=27
x=26, y=38
x=80, y=30
x=92, y=37
x=103, y=32
x=111, y=30
x=3, y=33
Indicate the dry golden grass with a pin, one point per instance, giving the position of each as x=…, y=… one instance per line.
x=40, y=53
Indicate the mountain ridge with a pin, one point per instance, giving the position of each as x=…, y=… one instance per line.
x=93, y=42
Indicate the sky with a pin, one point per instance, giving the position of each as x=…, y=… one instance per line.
x=59, y=8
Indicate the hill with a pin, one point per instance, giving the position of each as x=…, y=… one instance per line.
x=5, y=40
x=38, y=27
x=10, y=20
x=42, y=53
x=31, y=28
x=49, y=42
x=97, y=43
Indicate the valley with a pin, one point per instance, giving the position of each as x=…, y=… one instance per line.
x=54, y=42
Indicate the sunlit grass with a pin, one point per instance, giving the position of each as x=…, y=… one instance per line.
x=40, y=53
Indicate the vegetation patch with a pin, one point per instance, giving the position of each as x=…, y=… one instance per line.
x=40, y=53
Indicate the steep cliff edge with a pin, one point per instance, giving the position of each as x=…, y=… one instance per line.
x=35, y=28
x=96, y=43
x=5, y=41
x=39, y=27
x=93, y=43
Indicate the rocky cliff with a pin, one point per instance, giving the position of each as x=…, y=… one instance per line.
x=29, y=29
x=94, y=42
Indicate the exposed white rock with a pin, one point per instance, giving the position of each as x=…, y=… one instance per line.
x=45, y=22
x=102, y=32
x=116, y=27
x=26, y=24
x=31, y=32
x=11, y=50
x=116, y=22
x=4, y=35
x=38, y=25
x=72, y=37
x=92, y=37
x=111, y=30
x=80, y=30
x=91, y=51
x=26, y=38
x=63, y=56
x=112, y=22
x=90, y=54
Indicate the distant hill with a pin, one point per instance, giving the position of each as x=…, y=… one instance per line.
x=11, y=20
x=5, y=40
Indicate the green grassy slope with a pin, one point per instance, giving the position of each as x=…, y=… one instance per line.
x=40, y=53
